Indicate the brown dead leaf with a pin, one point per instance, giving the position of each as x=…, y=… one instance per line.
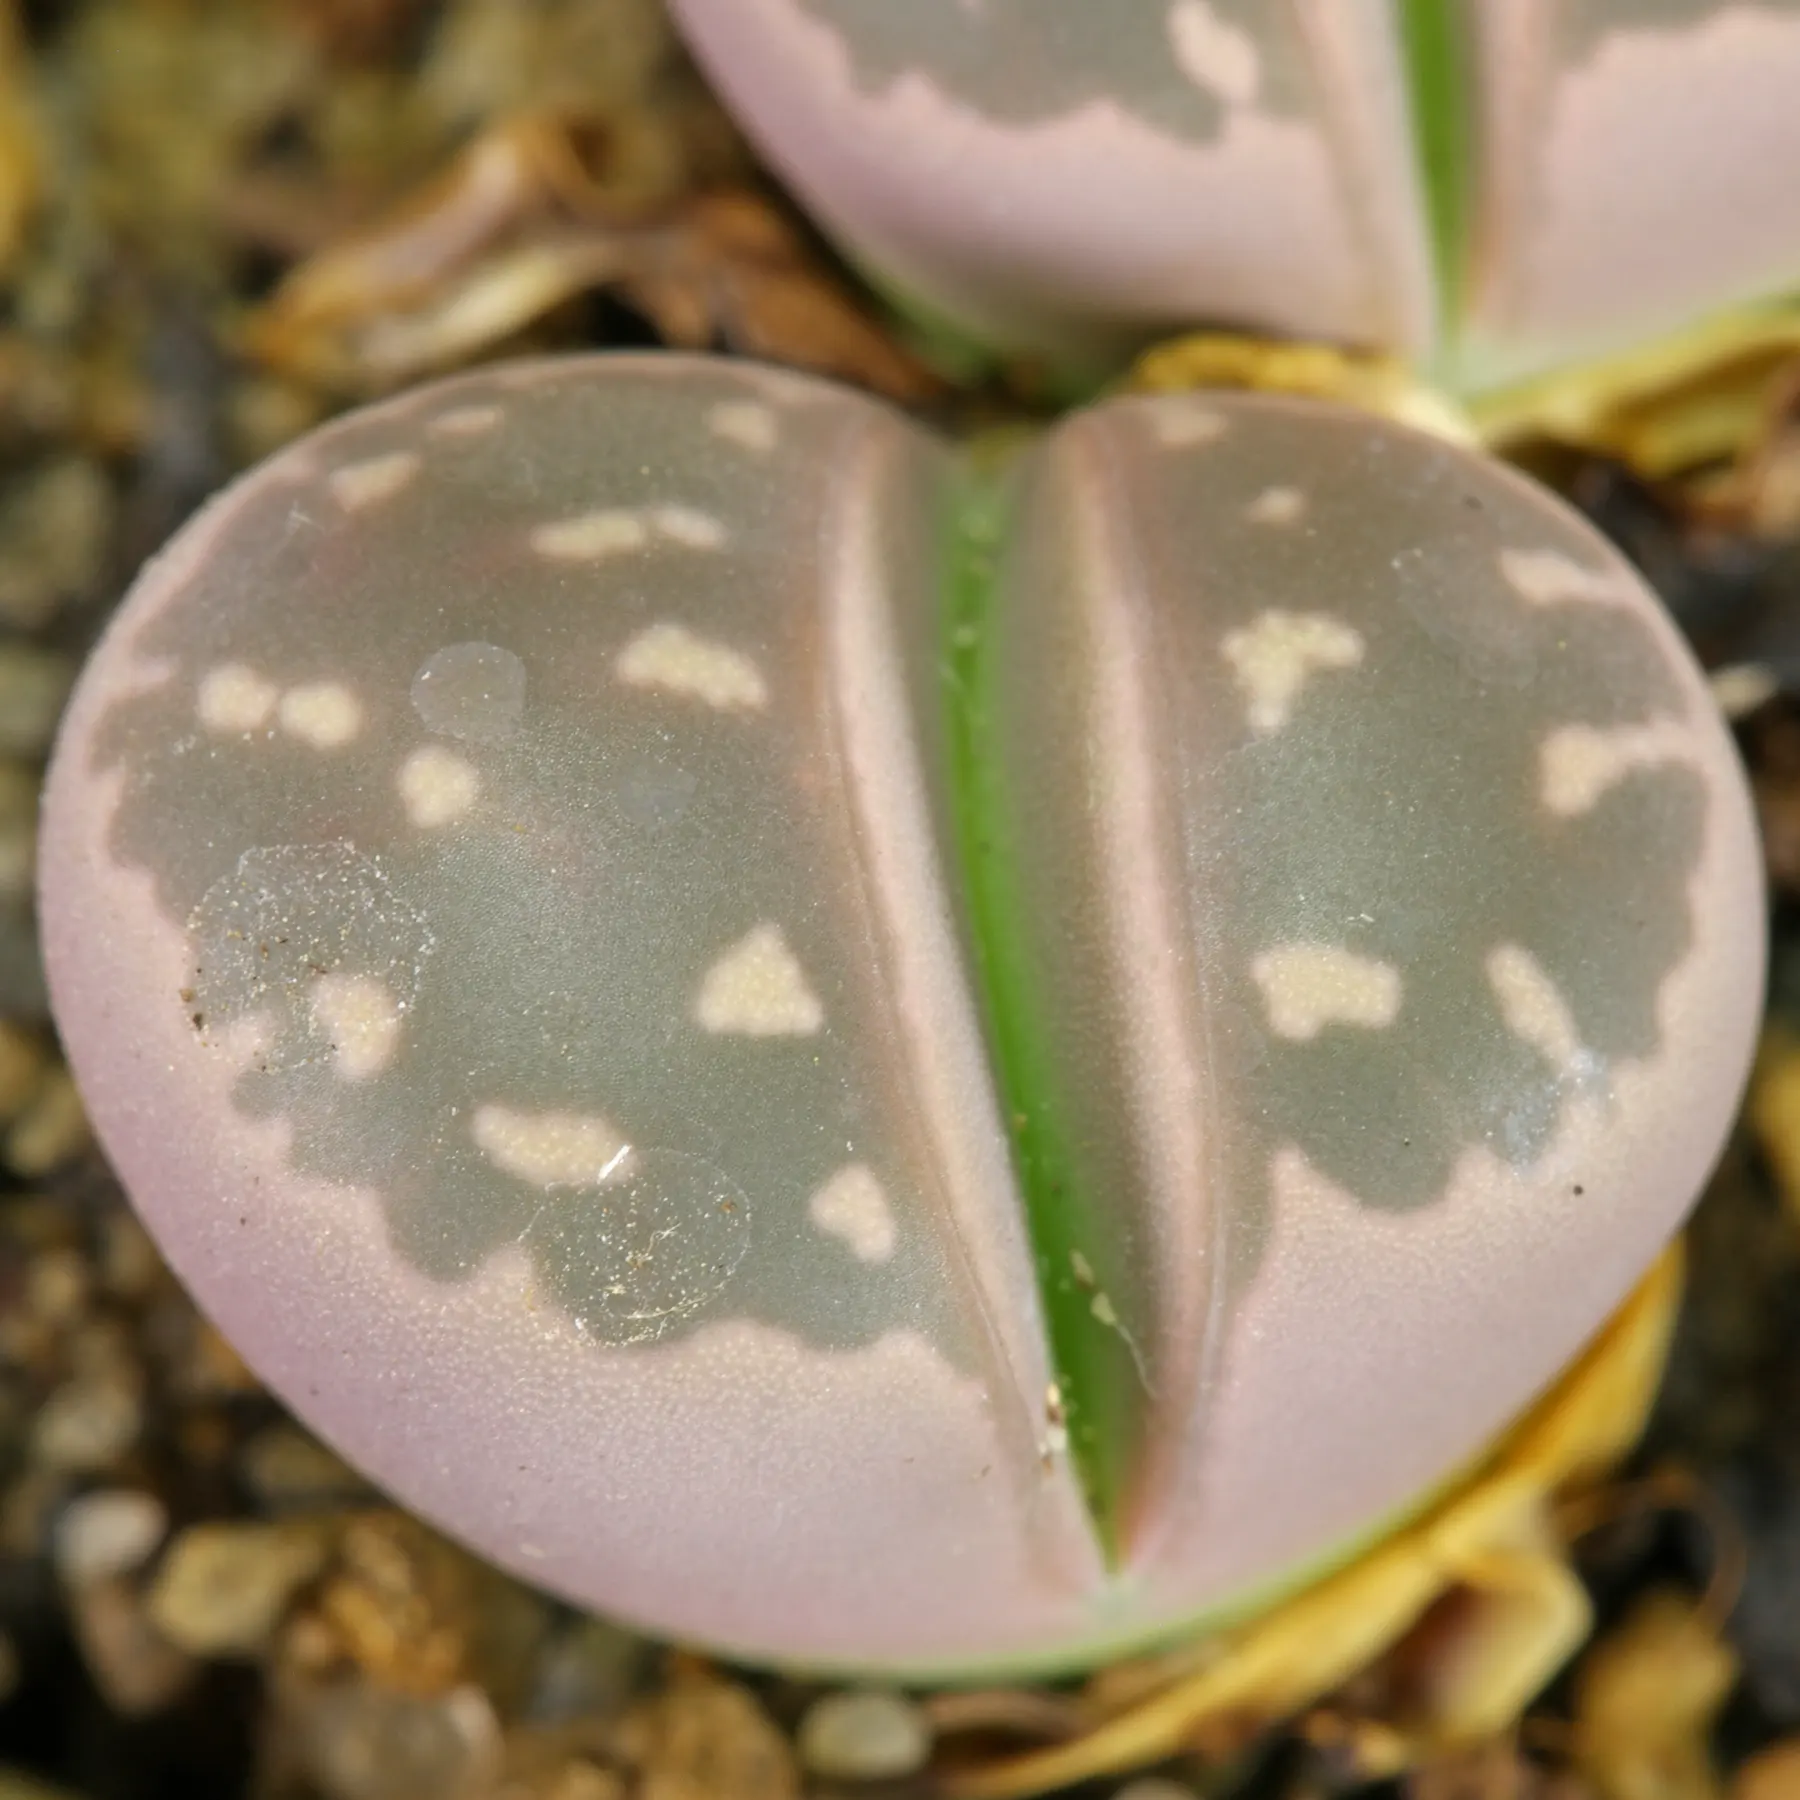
x=519, y=224
x=1700, y=397
x=1646, y=1696
x=1772, y=1774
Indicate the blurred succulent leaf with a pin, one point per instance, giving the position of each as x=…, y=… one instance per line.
x=1493, y=188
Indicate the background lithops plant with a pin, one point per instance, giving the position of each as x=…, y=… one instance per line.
x=890, y=1057
x=1490, y=186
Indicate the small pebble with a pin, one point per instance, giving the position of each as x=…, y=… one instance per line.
x=699, y=1738
x=87, y=1425
x=52, y=1130
x=1772, y=1774
x=18, y=831
x=134, y=1666
x=223, y=1588
x=582, y=1780
x=358, y=1741
x=108, y=1533
x=587, y=1670
x=872, y=1735
x=129, y=1263
x=288, y=1469
x=56, y=1287
x=54, y=528
x=33, y=685
x=24, y=1062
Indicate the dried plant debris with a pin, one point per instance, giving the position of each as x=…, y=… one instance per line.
x=520, y=225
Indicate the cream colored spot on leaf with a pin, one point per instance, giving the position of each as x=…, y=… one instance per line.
x=592, y=536
x=235, y=698
x=1549, y=578
x=1533, y=1009
x=758, y=989
x=1275, y=656
x=549, y=1149
x=360, y=1018
x=675, y=659
x=1276, y=506
x=689, y=527
x=747, y=423
x=465, y=421
x=1180, y=423
x=437, y=786
x=1579, y=764
x=1213, y=54
x=1306, y=987
x=852, y=1207
x=324, y=714
x=376, y=478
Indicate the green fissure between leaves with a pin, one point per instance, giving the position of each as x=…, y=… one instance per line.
x=1099, y=1392
x=1436, y=53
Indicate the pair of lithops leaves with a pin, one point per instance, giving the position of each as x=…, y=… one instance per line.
x=1489, y=187
x=891, y=1054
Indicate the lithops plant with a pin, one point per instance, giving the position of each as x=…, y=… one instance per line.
x=890, y=1056
x=1488, y=186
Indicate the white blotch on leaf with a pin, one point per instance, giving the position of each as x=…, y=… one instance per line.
x=1579, y=764
x=852, y=1208
x=437, y=786
x=1276, y=506
x=1306, y=987
x=1213, y=54
x=1277, y=655
x=678, y=660
x=549, y=1149
x=376, y=478
x=235, y=698
x=324, y=714
x=592, y=536
x=1180, y=423
x=689, y=527
x=1549, y=578
x=747, y=423
x=1533, y=1009
x=758, y=989
x=465, y=421
x=360, y=1018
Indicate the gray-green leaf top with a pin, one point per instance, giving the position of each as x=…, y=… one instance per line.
x=895, y=1056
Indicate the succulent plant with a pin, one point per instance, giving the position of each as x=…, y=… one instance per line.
x=891, y=1055
x=1489, y=186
